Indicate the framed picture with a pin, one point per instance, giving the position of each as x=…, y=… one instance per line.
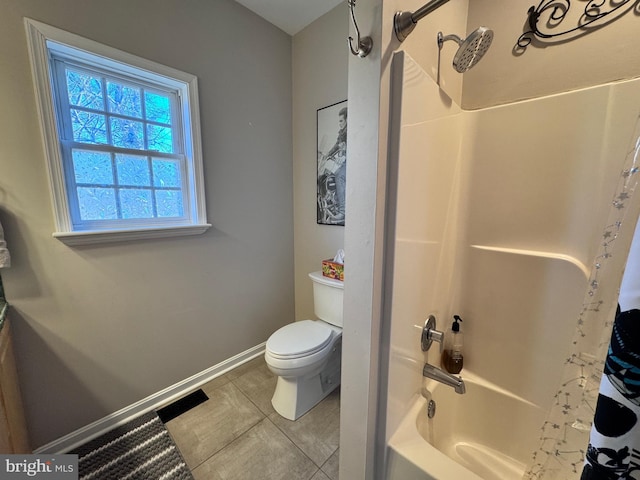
x=332, y=163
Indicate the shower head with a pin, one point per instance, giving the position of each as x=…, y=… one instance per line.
x=471, y=49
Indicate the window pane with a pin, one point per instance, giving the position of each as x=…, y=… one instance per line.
x=133, y=170
x=128, y=160
x=157, y=108
x=136, y=203
x=92, y=167
x=84, y=90
x=88, y=127
x=124, y=100
x=166, y=173
x=126, y=133
x=159, y=138
x=97, y=203
x=169, y=203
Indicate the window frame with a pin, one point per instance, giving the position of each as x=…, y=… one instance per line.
x=41, y=39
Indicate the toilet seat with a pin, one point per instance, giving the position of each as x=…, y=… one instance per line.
x=299, y=339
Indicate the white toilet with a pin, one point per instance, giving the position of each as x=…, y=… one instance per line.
x=305, y=355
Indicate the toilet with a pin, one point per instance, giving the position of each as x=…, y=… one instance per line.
x=305, y=355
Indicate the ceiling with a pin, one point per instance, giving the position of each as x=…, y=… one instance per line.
x=290, y=15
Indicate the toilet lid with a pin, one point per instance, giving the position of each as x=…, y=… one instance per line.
x=299, y=339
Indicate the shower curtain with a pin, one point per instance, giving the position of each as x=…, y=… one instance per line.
x=565, y=433
x=614, y=446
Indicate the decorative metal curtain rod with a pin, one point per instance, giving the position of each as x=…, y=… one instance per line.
x=556, y=12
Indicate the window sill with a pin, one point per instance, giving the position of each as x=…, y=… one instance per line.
x=97, y=237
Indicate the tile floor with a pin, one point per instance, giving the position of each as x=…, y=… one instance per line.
x=237, y=435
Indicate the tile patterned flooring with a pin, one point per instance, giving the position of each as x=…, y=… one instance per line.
x=237, y=435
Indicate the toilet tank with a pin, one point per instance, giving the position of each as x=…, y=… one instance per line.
x=327, y=298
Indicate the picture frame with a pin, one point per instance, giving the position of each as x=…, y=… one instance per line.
x=331, y=163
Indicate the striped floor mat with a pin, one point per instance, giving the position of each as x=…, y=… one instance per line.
x=142, y=449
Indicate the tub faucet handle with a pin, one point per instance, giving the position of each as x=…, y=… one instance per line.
x=430, y=334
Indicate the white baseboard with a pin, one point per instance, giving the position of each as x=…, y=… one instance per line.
x=97, y=428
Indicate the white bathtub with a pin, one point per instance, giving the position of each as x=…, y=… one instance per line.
x=485, y=434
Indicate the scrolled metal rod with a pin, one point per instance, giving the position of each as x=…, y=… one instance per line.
x=557, y=11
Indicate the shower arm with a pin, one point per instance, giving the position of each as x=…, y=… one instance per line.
x=405, y=22
x=445, y=38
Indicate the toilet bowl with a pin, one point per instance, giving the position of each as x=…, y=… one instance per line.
x=305, y=355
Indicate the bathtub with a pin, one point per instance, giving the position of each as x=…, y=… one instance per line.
x=485, y=434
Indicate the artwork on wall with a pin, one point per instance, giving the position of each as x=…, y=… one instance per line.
x=332, y=163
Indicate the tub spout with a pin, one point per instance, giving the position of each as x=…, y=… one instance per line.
x=441, y=376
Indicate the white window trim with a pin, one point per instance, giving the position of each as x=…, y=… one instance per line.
x=37, y=35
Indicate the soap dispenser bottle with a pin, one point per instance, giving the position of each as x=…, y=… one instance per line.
x=452, y=357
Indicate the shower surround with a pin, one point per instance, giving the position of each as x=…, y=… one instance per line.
x=496, y=215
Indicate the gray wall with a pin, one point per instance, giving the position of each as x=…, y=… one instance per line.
x=98, y=328
x=320, y=74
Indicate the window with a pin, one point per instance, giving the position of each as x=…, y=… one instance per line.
x=122, y=140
